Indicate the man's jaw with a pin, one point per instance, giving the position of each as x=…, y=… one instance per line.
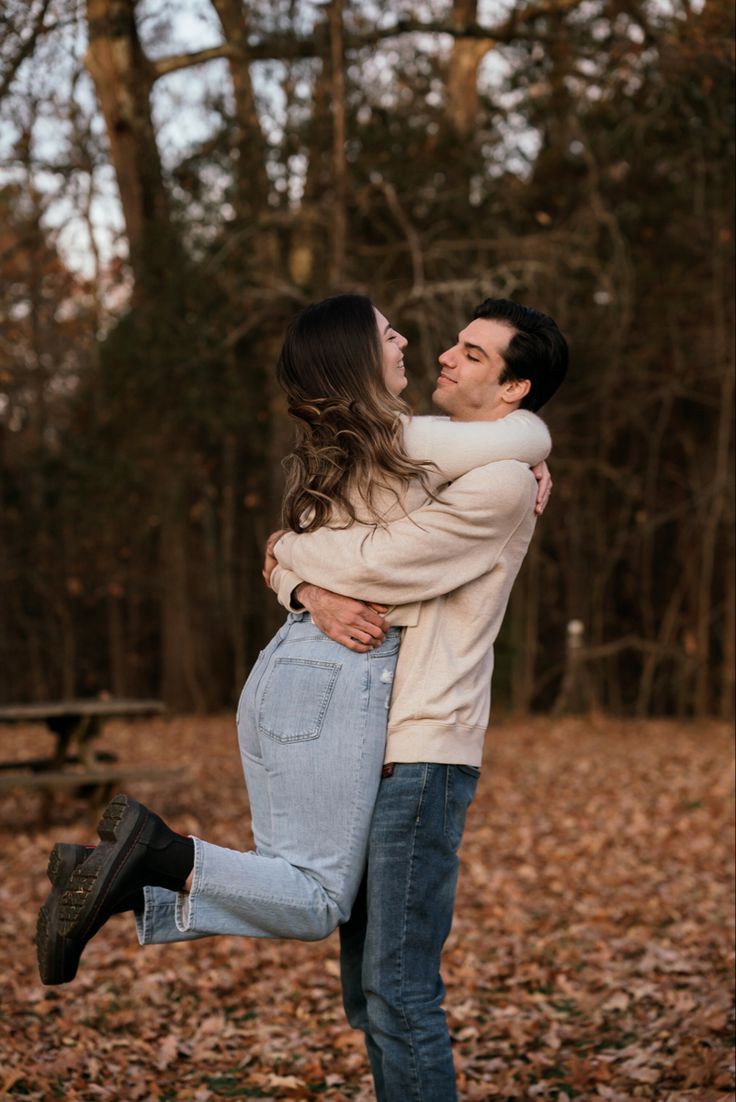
x=440, y=399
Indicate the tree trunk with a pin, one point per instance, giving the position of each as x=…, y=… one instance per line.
x=123, y=79
x=525, y=628
x=252, y=180
x=717, y=513
x=463, y=101
x=727, y=702
x=181, y=685
x=116, y=641
x=576, y=693
x=307, y=245
x=339, y=167
x=231, y=605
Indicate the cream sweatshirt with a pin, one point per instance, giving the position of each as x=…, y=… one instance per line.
x=447, y=569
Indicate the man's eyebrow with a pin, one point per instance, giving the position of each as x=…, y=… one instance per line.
x=476, y=347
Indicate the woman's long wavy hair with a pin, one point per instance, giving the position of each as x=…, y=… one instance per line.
x=349, y=432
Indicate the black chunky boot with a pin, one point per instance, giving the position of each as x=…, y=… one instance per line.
x=58, y=957
x=57, y=960
x=136, y=849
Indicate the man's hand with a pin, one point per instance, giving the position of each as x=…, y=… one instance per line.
x=269, y=559
x=544, y=487
x=357, y=625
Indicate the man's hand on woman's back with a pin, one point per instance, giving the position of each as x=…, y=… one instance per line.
x=355, y=624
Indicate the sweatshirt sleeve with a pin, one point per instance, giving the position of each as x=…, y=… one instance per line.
x=456, y=447
x=283, y=583
x=433, y=550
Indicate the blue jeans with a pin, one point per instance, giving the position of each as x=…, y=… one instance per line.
x=312, y=731
x=390, y=948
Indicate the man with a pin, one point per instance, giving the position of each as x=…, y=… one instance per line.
x=475, y=536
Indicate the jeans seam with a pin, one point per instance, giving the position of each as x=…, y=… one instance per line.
x=410, y=882
x=368, y=729
x=365, y=712
x=196, y=889
x=448, y=797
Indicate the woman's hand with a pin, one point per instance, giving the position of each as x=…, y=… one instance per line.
x=544, y=487
x=269, y=559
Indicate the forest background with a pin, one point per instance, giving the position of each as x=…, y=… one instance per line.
x=177, y=179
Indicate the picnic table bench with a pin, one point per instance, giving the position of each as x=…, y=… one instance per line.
x=74, y=762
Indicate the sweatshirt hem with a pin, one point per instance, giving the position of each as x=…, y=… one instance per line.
x=440, y=743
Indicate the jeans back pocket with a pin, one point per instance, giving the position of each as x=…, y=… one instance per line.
x=296, y=698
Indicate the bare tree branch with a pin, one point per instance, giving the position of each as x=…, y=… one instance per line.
x=172, y=64
x=413, y=240
x=286, y=47
x=25, y=49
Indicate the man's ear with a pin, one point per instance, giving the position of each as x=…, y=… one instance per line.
x=515, y=389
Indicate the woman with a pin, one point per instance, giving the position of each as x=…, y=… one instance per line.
x=312, y=715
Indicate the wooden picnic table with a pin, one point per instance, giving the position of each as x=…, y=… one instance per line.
x=76, y=723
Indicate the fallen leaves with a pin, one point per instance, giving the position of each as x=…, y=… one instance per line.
x=591, y=955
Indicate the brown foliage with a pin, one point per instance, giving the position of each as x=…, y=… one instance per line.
x=141, y=427
x=591, y=955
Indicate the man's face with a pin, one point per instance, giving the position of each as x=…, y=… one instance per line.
x=468, y=388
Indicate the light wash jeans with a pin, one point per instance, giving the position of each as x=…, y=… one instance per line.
x=391, y=947
x=312, y=730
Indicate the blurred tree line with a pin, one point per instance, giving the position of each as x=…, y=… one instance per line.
x=572, y=154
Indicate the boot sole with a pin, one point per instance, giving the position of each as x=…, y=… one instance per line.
x=91, y=884
x=58, y=957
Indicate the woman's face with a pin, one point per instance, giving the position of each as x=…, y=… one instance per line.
x=392, y=347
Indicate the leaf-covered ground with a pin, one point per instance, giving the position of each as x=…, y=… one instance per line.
x=591, y=956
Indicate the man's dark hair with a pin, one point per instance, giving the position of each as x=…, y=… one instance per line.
x=537, y=351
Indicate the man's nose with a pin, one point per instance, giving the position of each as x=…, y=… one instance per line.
x=446, y=358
